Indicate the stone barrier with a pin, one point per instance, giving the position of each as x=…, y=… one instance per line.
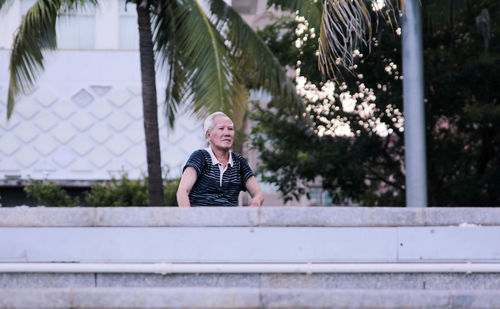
x=248, y=216
x=203, y=236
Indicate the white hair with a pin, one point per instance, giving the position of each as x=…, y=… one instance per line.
x=209, y=121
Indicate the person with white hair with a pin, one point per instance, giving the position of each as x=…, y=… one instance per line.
x=215, y=176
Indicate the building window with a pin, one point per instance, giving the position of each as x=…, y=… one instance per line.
x=75, y=30
x=129, y=33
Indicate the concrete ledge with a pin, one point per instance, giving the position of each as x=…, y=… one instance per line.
x=244, y=298
x=246, y=216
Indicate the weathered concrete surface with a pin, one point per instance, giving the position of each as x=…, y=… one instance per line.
x=389, y=281
x=113, y=298
x=47, y=280
x=89, y=298
x=247, y=216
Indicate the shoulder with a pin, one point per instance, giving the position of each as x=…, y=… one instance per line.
x=240, y=160
x=243, y=167
x=198, y=160
x=199, y=154
x=237, y=157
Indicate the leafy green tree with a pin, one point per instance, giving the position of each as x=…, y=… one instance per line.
x=365, y=163
x=210, y=57
x=340, y=139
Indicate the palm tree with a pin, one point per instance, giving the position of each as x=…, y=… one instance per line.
x=211, y=58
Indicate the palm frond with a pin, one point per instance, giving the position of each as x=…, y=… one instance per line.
x=193, y=48
x=239, y=115
x=176, y=91
x=2, y=3
x=347, y=26
x=255, y=61
x=36, y=33
x=166, y=25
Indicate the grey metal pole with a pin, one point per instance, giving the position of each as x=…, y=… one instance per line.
x=413, y=99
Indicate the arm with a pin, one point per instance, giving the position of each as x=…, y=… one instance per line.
x=255, y=191
x=188, y=180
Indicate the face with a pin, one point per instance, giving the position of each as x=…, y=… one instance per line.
x=222, y=134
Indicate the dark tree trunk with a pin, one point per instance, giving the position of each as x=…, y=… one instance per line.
x=150, y=107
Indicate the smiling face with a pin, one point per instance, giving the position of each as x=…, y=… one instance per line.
x=221, y=136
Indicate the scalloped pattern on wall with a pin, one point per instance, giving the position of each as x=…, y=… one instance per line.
x=95, y=132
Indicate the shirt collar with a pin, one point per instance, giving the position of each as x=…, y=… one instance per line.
x=214, y=159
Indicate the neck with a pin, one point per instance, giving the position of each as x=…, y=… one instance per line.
x=221, y=154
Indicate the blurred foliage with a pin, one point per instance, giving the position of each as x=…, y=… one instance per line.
x=462, y=81
x=115, y=192
x=462, y=118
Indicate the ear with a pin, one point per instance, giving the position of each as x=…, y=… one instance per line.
x=207, y=134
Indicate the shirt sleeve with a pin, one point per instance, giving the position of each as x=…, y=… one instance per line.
x=245, y=173
x=196, y=161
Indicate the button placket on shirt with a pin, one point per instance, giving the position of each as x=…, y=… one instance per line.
x=221, y=172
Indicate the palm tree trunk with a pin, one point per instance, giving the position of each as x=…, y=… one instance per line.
x=150, y=107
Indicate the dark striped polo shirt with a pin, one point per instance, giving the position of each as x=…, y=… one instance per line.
x=207, y=190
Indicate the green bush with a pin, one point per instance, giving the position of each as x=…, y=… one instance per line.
x=115, y=192
x=170, y=187
x=118, y=192
x=49, y=194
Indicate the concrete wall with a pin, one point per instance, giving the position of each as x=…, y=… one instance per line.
x=268, y=235
x=249, y=235
x=84, y=121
